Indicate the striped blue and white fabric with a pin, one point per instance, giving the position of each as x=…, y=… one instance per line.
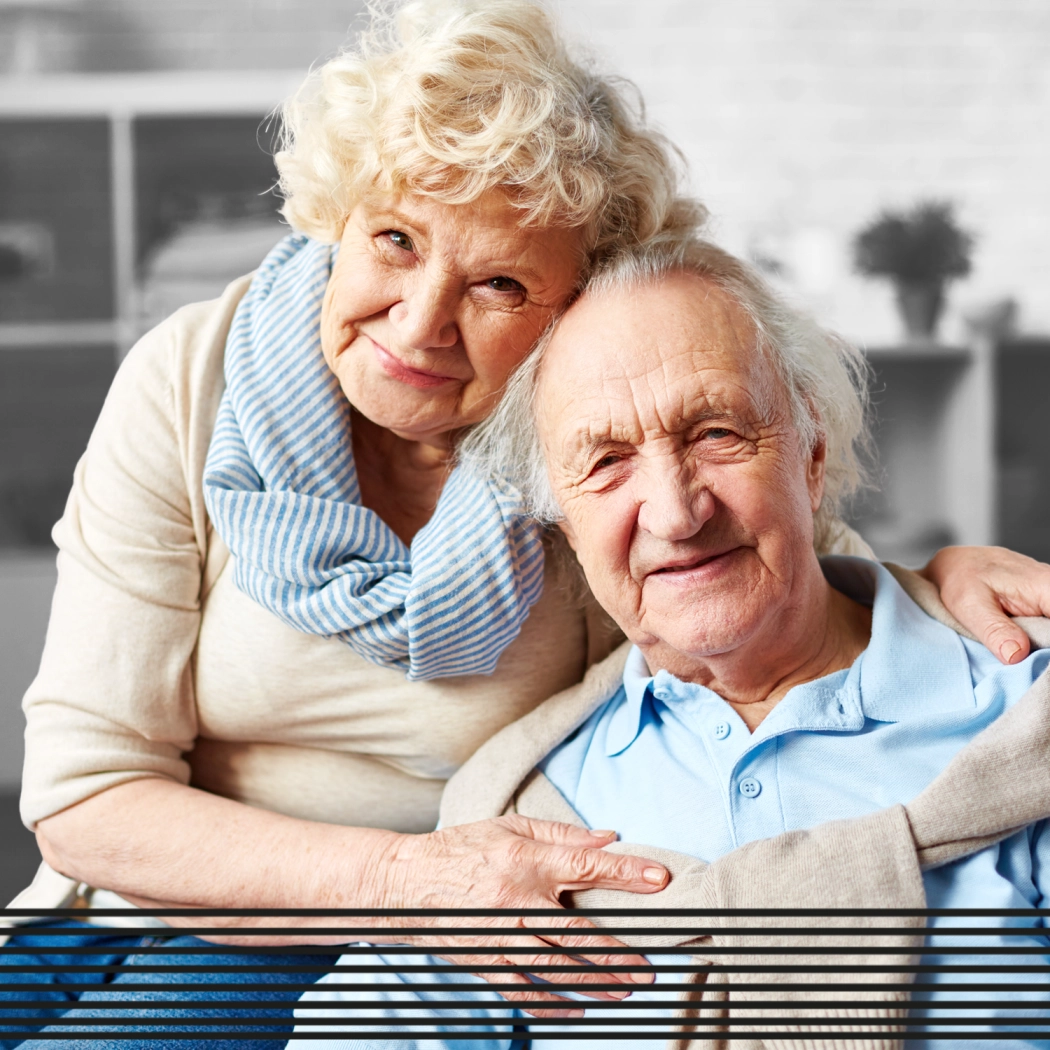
x=281, y=488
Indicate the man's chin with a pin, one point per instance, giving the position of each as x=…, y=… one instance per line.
x=700, y=630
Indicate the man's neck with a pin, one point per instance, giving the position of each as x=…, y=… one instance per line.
x=793, y=649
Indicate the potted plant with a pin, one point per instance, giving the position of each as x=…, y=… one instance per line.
x=920, y=250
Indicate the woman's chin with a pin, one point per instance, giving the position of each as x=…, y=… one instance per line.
x=434, y=430
x=427, y=417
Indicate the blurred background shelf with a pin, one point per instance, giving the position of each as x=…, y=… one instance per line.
x=933, y=408
x=101, y=173
x=251, y=93
x=122, y=197
x=963, y=452
x=1022, y=446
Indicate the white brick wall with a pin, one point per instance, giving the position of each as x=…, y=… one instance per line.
x=801, y=118
x=210, y=34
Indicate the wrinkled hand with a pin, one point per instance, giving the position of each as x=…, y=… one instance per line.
x=982, y=587
x=516, y=863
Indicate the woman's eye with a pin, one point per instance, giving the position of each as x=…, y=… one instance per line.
x=402, y=240
x=607, y=461
x=504, y=284
x=717, y=433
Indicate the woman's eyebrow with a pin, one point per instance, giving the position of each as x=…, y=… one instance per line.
x=393, y=215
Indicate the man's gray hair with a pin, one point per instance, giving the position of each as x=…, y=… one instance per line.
x=824, y=378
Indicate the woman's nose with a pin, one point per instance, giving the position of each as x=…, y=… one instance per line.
x=674, y=505
x=425, y=317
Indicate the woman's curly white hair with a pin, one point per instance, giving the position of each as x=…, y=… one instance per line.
x=453, y=98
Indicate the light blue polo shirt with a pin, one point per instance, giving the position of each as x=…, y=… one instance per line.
x=670, y=764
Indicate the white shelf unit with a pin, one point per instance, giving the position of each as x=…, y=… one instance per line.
x=98, y=174
x=936, y=407
x=934, y=413
x=121, y=101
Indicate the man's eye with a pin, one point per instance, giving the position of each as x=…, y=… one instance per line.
x=607, y=461
x=716, y=433
x=503, y=284
x=402, y=240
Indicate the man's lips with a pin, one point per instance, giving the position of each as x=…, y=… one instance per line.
x=691, y=562
x=397, y=369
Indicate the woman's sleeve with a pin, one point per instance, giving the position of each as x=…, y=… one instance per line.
x=114, y=698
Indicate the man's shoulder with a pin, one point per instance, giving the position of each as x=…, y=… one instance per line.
x=486, y=783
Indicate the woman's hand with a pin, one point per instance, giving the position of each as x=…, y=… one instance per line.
x=164, y=845
x=511, y=862
x=516, y=864
x=982, y=587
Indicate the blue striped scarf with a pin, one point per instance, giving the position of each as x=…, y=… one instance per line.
x=281, y=488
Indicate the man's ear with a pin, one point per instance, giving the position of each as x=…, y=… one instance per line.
x=816, y=471
x=567, y=532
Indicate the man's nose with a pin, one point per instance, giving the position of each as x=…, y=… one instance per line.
x=675, y=504
x=425, y=316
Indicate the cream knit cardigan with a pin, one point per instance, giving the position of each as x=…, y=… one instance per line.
x=995, y=786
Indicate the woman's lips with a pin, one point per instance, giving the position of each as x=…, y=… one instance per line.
x=417, y=377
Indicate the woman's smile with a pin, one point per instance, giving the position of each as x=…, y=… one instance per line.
x=420, y=378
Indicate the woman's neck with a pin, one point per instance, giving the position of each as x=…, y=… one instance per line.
x=400, y=480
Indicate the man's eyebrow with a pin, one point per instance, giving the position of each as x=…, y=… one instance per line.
x=584, y=443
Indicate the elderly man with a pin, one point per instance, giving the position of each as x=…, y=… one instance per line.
x=698, y=439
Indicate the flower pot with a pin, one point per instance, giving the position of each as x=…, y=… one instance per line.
x=920, y=305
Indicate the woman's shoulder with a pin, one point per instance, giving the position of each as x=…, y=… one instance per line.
x=137, y=505
x=182, y=358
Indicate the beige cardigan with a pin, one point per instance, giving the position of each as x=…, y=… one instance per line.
x=156, y=665
x=997, y=785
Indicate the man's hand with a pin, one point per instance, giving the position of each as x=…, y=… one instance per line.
x=982, y=587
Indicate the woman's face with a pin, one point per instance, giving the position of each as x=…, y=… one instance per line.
x=431, y=306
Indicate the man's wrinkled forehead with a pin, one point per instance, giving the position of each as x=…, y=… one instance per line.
x=678, y=346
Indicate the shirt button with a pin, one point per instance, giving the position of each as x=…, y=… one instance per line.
x=721, y=730
x=750, y=788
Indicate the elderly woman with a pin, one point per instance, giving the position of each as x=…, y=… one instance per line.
x=283, y=618
x=692, y=436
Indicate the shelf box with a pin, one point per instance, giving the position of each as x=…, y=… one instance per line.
x=56, y=181
x=1022, y=442
x=98, y=173
x=931, y=413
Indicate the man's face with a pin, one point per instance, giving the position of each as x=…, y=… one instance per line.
x=687, y=492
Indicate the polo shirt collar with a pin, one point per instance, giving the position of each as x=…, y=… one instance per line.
x=912, y=661
x=626, y=721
